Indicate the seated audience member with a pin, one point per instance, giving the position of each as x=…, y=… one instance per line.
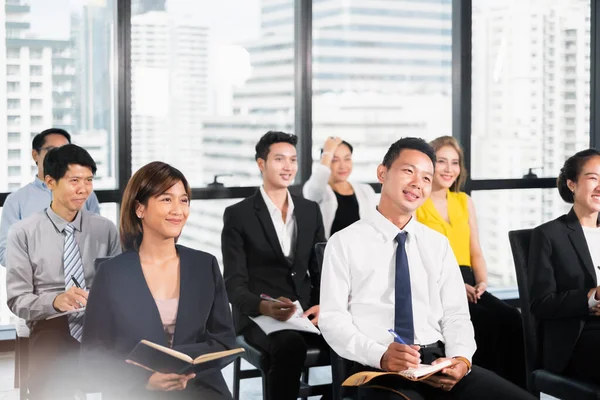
x=390, y=272
x=36, y=196
x=156, y=290
x=268, y=245
x=342, y=202
x=498, y=327
x=49, y=255
x=564, y=274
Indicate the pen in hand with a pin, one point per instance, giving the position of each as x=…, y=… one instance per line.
x=269, y=298
x=77, y=285
x=397, y=337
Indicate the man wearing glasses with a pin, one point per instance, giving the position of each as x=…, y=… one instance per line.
x=35, y=196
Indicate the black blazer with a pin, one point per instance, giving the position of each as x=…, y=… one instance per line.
x=561, y=273
x=254, y=262
x=121, y=311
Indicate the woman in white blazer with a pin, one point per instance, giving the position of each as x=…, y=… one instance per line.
x=342, y=203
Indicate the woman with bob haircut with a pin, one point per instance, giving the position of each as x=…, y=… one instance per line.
x=450, y=211
x=564, y=274
x=159, y=291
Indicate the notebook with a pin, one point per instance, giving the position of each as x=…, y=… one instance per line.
x=424, y=371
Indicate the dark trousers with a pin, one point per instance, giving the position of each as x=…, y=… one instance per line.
x=584, y=361
x=53, y=361
x=499, y=335
x=195, y=390
x=479, y=384
x=287, y=354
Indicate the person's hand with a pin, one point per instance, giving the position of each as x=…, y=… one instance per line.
x=72, y=299
x=280, y=311
x=168, y=382
x=471, y=293
x=331, y=144
x=399, y=357
x=449, y=376
x=595, y=310
x=314, y=312
x=480, y=289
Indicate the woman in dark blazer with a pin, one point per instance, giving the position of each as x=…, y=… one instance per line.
x=564, y=274
x=158, y=291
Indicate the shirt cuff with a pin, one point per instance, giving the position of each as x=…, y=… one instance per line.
x=460, y=352
x=592, y=302
x=375, y=354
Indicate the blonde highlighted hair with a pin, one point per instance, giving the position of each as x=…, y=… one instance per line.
x=444, y=141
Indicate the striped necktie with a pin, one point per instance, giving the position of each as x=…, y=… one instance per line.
x=73, y=267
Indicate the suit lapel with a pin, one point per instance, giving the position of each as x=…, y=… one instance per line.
x=186, y=295
x=147, y=309
x=300, y=227
x=579, y=243
x=262, y=212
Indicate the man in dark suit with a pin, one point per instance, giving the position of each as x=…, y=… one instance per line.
x=268, y=245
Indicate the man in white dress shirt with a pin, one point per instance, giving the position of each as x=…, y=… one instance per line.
x=389, y=272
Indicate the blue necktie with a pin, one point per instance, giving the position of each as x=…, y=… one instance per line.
x=73, y=267
x=403, y=318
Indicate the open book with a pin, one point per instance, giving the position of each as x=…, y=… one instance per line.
x=75, y=311
x=412, y=374
x=297, y=323
x=157, y=358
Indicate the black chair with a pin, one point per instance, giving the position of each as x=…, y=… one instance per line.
x=340, y=367
x=260, y=360
x=538, y=379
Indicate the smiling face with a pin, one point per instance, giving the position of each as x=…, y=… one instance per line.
x=586, y=190
x=407, y=183
x=341, y=164
x=280, y=168
x=165, y=215
x=447, y=169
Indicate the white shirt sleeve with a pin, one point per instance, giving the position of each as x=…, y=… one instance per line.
x=456, y=325
x=335, y=321
x=592, y=302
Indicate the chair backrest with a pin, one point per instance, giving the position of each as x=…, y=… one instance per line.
x=520, y=241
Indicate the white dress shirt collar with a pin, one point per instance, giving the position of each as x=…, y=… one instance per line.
x=388, y=230
x=273, y=208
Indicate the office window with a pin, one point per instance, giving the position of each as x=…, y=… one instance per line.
x=204, y=225
x=72, y=69
x=14, y=154
x=35, y=70
x=500, y=211
x=185, y=97
x=14, y=137
x=14, y=171
x=506, y=143
x=379, y=75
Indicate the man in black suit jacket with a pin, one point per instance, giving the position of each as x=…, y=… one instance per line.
x=563, y=275
x=268, y=245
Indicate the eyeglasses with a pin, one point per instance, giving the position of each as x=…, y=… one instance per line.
x=45, y=148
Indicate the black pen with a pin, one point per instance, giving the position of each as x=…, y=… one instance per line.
x=77, y=285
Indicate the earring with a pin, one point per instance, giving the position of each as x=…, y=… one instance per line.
x=139, y=216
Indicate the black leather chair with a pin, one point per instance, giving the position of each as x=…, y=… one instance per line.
x=538, y=379
x=340, y=367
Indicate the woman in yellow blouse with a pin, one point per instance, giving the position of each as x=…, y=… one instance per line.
x=498, y=329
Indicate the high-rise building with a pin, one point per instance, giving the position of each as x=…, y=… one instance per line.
x=40, y=79
x=169, y=91
x=3, y=101
x=144, y=6
x=531, y=76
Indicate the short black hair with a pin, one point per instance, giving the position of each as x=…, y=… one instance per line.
x=411, y=143
x=40, y=139
x=346, y=143
x=272, y=137
x=57, y=161
x=571, y=170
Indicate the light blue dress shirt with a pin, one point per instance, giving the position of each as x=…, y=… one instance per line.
x=28, y=200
